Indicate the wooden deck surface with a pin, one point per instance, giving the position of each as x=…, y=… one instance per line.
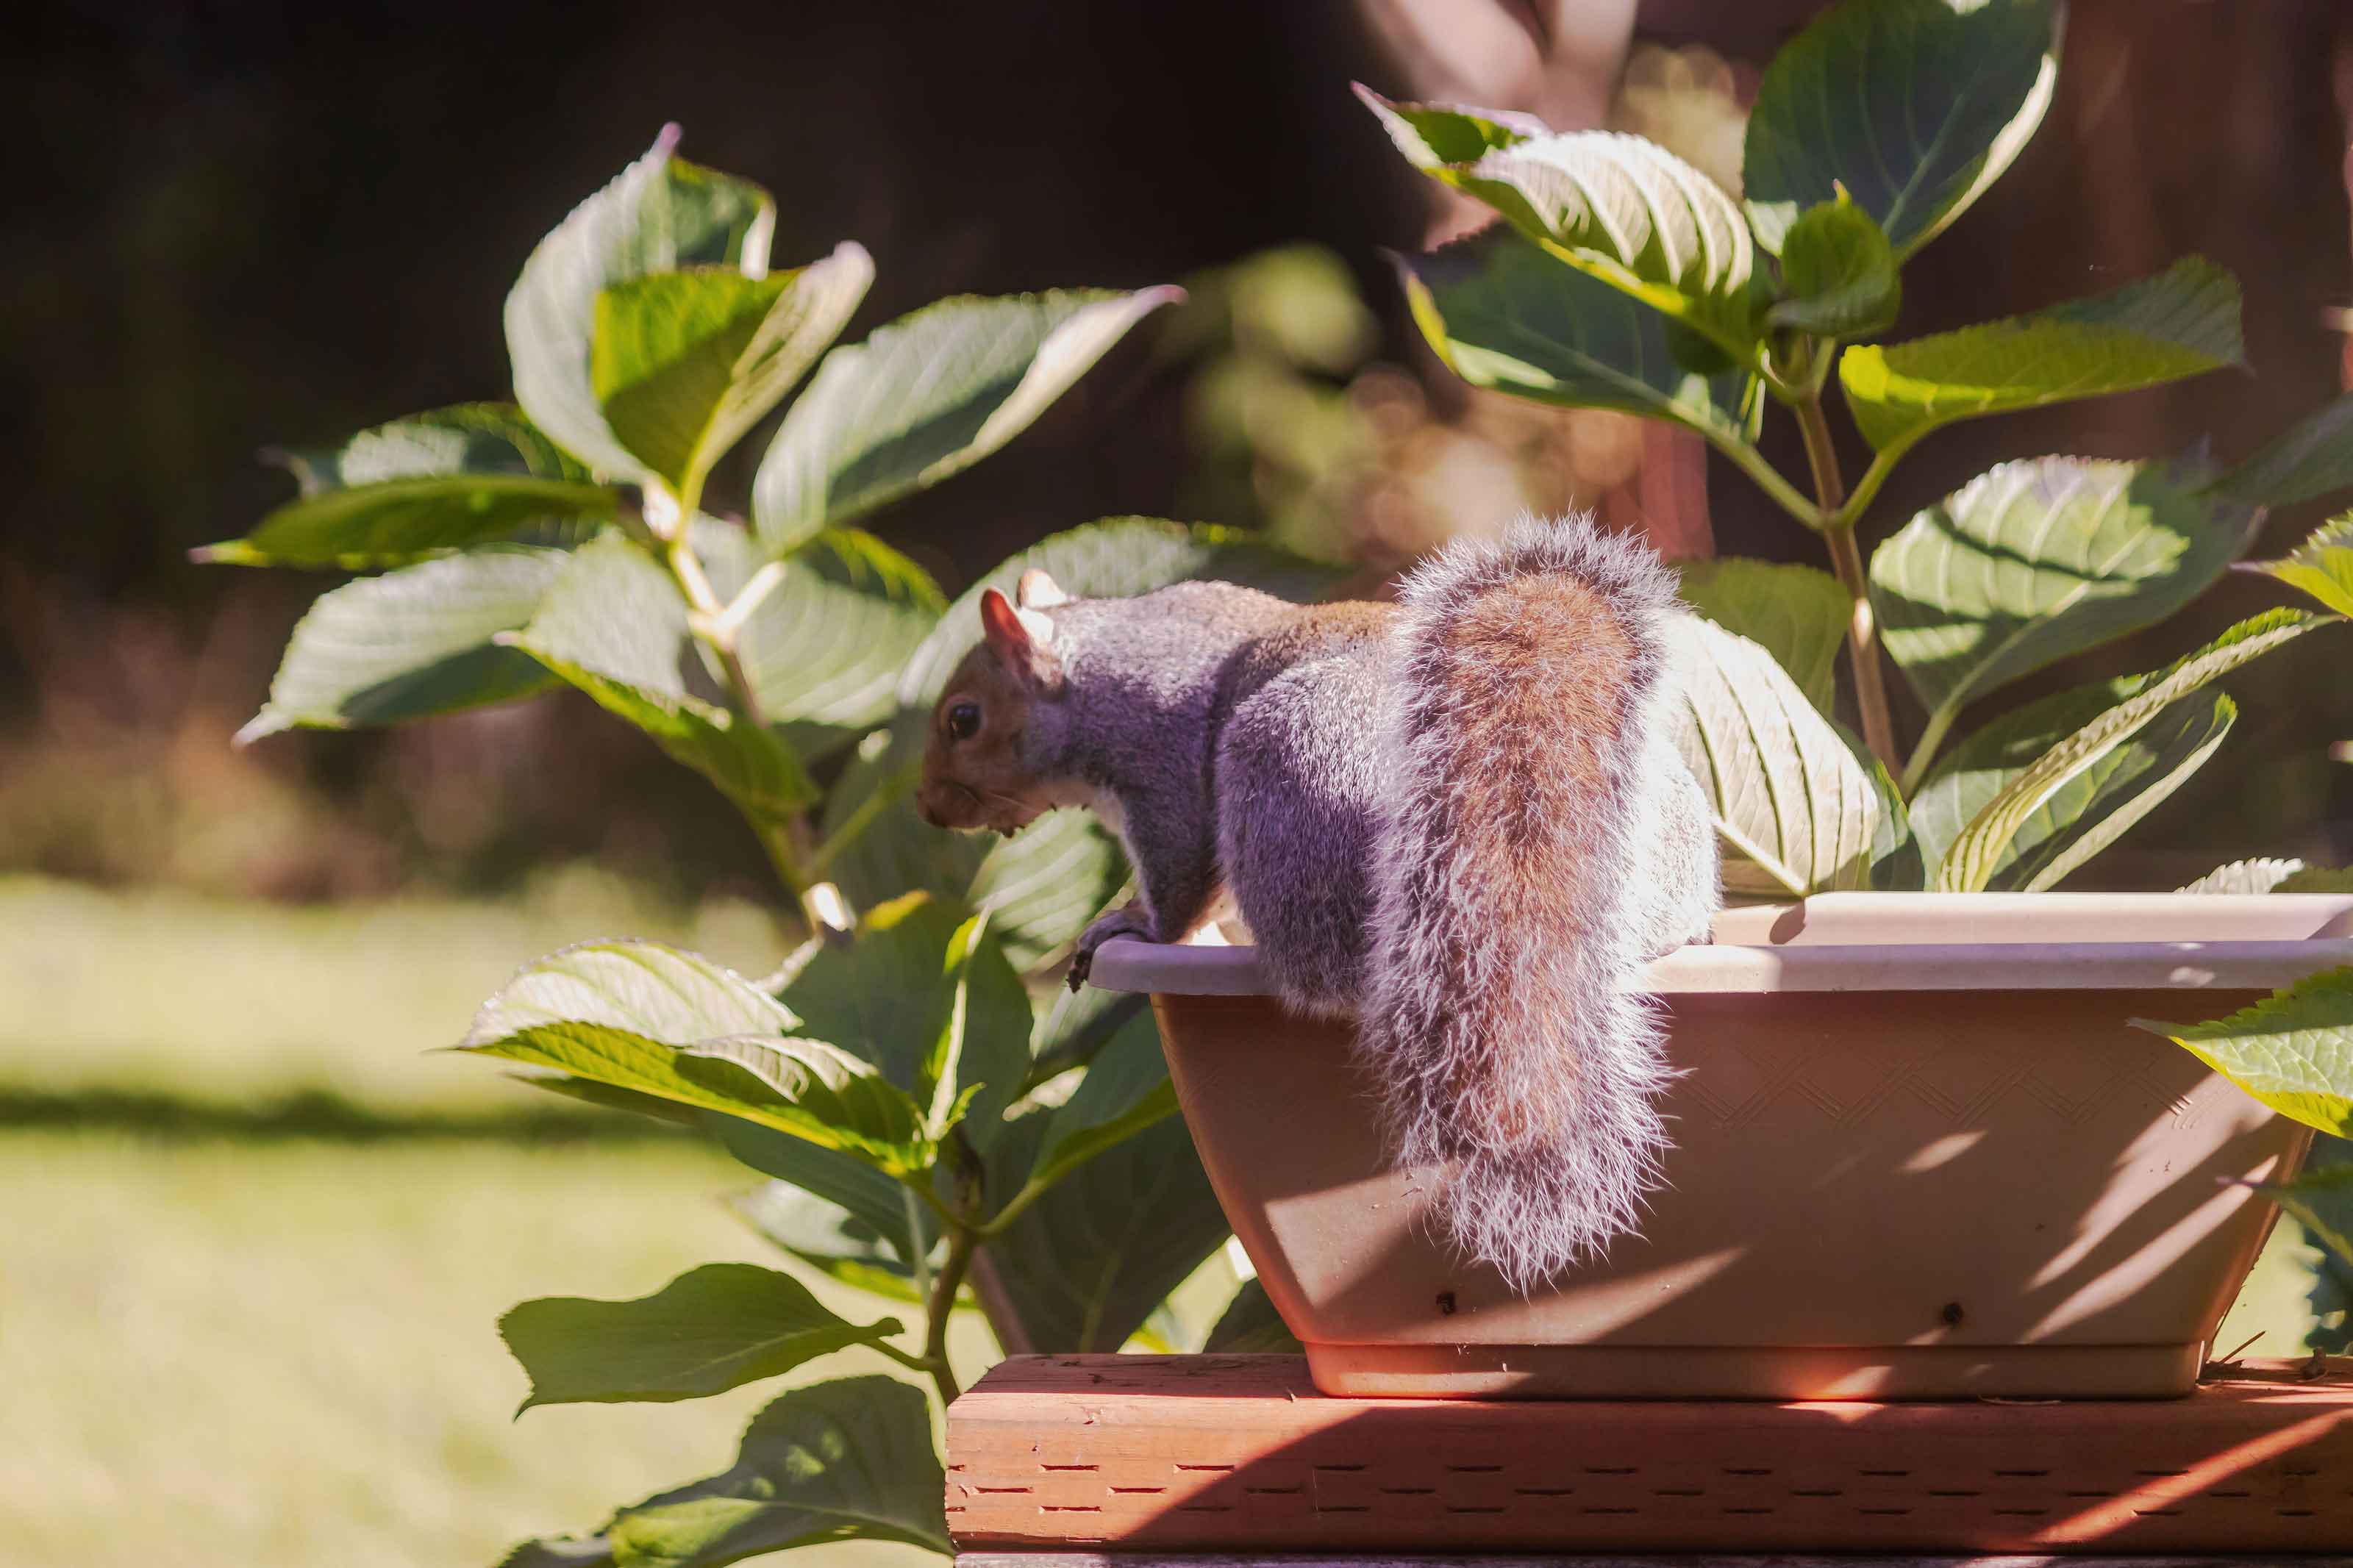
x=1239, y=1455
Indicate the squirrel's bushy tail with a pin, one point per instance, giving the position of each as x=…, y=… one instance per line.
x=1530, y=677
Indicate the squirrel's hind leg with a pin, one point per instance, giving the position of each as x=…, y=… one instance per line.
x=1297, y=800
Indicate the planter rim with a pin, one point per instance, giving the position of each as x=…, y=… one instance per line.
x=1913, y=942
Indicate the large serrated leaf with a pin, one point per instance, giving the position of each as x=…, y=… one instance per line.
x=1250, y=1326
x=660, y=214
x=1797, y=614
x=412, y=644
x=614, y=625
x=2089, y=812
x=656, y=1021
x=684, y=363
x=1913, y=106
x=2293, y=1050
x=2182, y=322
x=826, y=641
x=1622, y=210
x=2260, y=876
x=1986, y=844
x=847, y=1460
x=2321, y=566
x=710, y=1330
x=1433, y=135
x=1504, y=315
x=926, y=396
x=2035, y=561
x=2315, y=1200
x=1790, y=797
x=414, y=488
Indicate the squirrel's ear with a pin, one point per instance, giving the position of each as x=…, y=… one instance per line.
x=1039, y=592
x=1023, y=641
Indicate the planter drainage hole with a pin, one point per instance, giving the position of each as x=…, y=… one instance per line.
x=1952, y=1314
x=1446, y=1303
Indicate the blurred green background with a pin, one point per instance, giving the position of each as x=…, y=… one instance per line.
x=257, y=1241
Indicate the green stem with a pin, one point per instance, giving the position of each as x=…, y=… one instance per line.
x=1940, y=722
x=1863, y=626
x=1866, y=489
x=961, y=1240
x=877, y=801
x=1751, y=461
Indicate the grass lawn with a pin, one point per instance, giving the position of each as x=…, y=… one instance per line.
x=256, y=1245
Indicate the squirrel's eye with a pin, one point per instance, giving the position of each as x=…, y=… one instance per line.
x=964, y=720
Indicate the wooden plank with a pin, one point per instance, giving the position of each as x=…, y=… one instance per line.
x=1360, y=1560
x=1240, y=1453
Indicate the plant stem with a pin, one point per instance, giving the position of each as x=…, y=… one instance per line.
x=1861, y=627
x=1751, y=461
x=961, y=1242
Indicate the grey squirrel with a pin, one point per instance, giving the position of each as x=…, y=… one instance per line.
x=1461, y=818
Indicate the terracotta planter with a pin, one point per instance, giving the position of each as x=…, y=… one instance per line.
x=1919, y=1153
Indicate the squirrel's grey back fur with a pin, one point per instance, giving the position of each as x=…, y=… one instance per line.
x=1462, y=818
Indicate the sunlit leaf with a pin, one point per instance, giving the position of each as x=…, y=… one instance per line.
x=1791, y=800
x=1913, y=106
x=411, y=644
x=1504, y=315
x=2293, y=1050
x=660, y=214
x=2033, y=561
x=2182, y=322
x=926, y=396
x=1986, y=844
x=710, y=1330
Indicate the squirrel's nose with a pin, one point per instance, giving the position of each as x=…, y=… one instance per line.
x=927, y=810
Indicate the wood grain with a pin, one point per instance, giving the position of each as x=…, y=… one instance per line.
x=1240, y=1453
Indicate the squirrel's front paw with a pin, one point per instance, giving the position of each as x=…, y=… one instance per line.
x=1129, y=921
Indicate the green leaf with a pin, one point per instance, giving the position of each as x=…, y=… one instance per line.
x=710, y=1330
x=1837, y=274
x=2293, y=1050
x=1503, y=314
x=684, y=363
x=840, y=618
x=465, y=438
x=2182, y=322
x=1985, y=844
x=2318, y=879
x=2313, y=1200
x=1617, y=208
x=614, y=626
x=2321, y=566
x=928, y=395
x=2090, y=811
x=847, y=1460
x=650, y=1019
x=1797, y=614
x=2033, y=561
x=831, y=1239
x=1913, y=106
x=2246, y=877
x=414, y=488
x=1125, y=1089
x=1085, y=1265
x=1433, y=136
x=2310, y=458
x=411, y=644
x=1043, y=887
x=1791, y=798
x=660, y=214
x=1252, y=1326
x=930, y=1000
